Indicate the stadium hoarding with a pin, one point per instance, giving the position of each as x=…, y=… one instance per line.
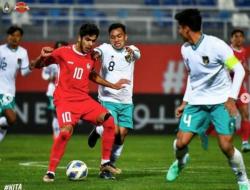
x=153, y=114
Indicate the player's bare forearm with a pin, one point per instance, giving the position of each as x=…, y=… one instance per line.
x=37, y=63
x=43, y=58
x=95, y=77
x=246, y=69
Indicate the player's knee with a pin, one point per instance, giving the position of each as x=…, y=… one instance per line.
x=102, y=118
x=108, y=122
x=11, y=120
x=66, y=132
x=179, y=144
x=227, y=148
x=107, y=116
x=10, y=116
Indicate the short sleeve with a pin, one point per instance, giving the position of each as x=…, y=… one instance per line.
x=101, y=49
x=54, y=57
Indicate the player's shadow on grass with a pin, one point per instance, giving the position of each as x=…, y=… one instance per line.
x=133, y=175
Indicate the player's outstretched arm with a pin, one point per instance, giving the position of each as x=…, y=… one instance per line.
x=95, y=77
x=43, y=59
x=133, y=52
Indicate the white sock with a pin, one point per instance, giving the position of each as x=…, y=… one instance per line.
x=244, y=142
x=116, y=152
x=99, y=129
x=3, y=121
x=237, y=164
x=104, y=161
x=55, y=127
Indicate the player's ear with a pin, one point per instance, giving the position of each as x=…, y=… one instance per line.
x=79, y=39
x=126, y=37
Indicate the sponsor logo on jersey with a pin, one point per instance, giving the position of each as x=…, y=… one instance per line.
x=19, y=61
x=70, y=62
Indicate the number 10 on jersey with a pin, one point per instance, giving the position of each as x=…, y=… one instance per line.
x=78, y=73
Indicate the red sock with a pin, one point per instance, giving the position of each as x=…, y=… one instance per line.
x=58, y=149
x=245, y=130
x=210, y=130
x=108, y=138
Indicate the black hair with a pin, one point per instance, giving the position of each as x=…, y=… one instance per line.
x=13, y=29
x=89, y=29
x=190, y=18
x=117, y=25
x=237, y=31
x=60, y=43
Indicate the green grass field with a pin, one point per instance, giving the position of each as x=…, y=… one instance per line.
x=24, y=159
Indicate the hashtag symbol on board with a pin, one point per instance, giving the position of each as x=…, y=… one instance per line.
x=174, y=77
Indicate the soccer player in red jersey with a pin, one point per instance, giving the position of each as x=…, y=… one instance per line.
x=237, y=41
x=76, y=68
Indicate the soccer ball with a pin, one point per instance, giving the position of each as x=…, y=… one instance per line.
x=76, y=170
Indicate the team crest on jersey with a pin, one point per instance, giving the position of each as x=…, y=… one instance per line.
x=19, y=61
x=205, y=59
x=88, y=66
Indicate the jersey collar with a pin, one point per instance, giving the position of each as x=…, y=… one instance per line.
x=237, y=50
x=195, y=46
x=77, y=52
x=12, y=49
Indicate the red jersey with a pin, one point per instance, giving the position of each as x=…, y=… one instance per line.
x=73, y=73
x=241, y=55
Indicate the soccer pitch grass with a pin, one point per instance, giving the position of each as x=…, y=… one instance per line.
x=145, y=159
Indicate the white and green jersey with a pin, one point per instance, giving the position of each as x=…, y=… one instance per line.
x=207, y=63
x=11, y=60
x=115, y=67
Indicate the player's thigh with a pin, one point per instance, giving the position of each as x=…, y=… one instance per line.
x=112, y=108
x=125, y=116
x=94, y=112
x=193, y=119
x=223, y=123
x=68, y=113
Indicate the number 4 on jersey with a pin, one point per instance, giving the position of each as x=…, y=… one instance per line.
x=187, y=119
